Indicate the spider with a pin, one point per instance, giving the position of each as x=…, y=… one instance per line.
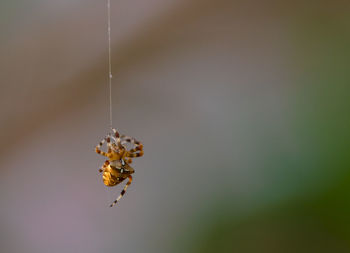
x=116, y=169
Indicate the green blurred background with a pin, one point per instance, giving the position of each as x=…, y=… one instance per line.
x=242, y=106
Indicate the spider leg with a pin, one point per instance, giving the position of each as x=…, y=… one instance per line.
x=117, y=137
x=123, y=191
x=98, y=147
x=137, y=147
x=132, y=154
x=106, y=163
x=125, y=139
x=116, y=133
x=136, y=151
x=109, y=144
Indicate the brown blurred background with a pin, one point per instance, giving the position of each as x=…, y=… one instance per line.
x=242, y=106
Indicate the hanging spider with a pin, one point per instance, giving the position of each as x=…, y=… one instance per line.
x=116, y=169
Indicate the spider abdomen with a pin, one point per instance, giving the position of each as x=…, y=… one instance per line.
x=112, y=177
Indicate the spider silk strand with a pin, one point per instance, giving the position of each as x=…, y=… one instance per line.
x=109, y=62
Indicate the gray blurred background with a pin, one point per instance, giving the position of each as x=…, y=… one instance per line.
x=242, y=107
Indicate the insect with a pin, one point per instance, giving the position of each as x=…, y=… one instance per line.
x=116, y=169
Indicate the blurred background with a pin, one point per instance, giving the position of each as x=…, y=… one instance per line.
x=242, y=106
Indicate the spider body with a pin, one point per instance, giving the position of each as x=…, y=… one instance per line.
x=116, y=169
x=115, y=173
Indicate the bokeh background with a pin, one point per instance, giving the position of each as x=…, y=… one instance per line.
x=242, y=106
